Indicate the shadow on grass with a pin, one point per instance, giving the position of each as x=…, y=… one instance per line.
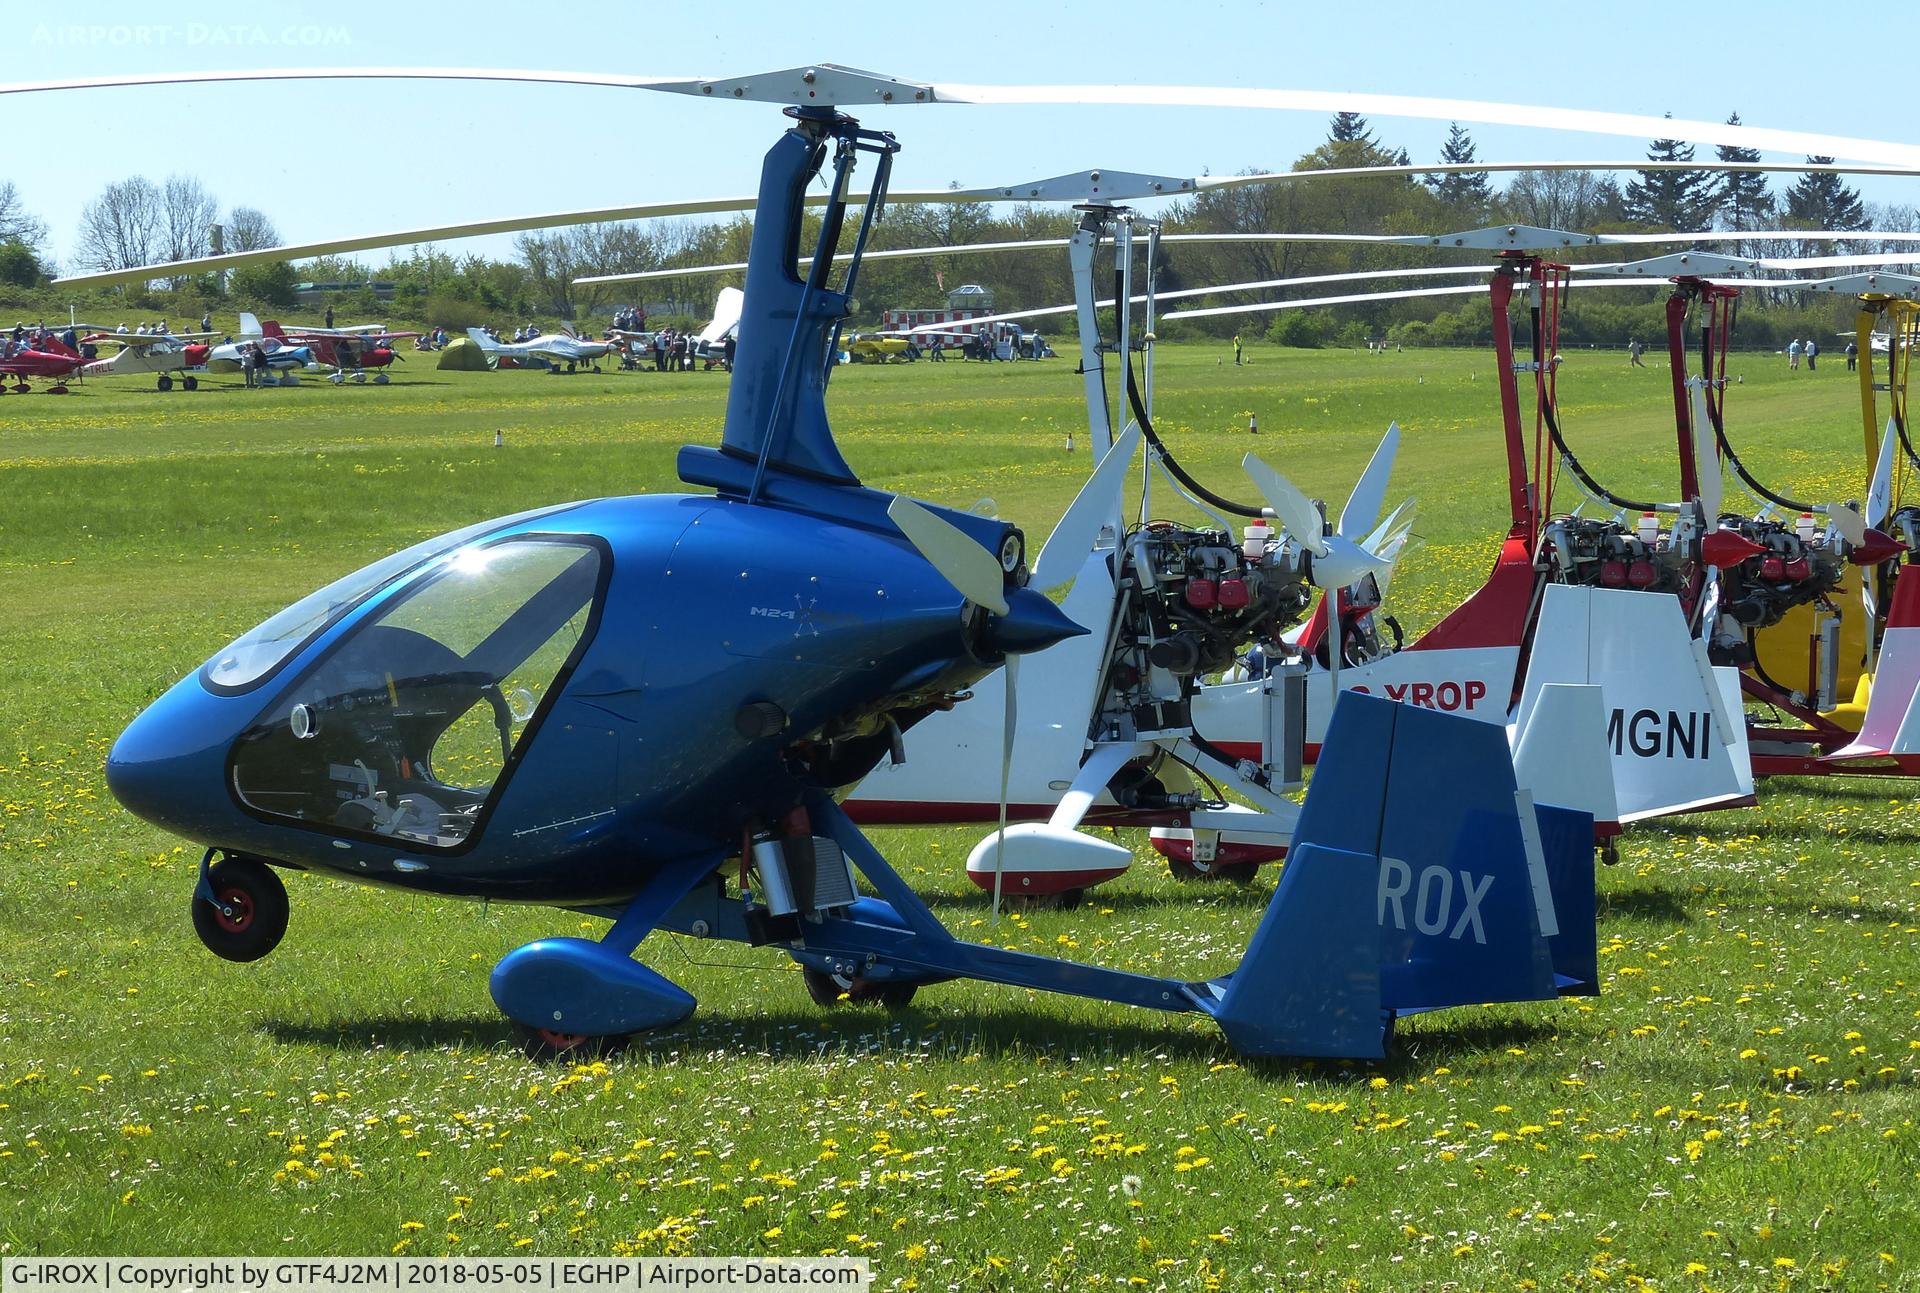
x=396, y=1033
x=1658, y=906
x=942, y=1032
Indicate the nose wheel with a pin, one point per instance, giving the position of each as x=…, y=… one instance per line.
x=547, y=1044
x=239, y=909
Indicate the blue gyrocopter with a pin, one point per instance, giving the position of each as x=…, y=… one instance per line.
x=644, y=708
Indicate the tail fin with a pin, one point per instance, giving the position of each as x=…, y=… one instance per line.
x=249, y=325
x=1420, y=877
x=482, y=340
x=1675, y=734
x=1892, y=725
x=271, y=328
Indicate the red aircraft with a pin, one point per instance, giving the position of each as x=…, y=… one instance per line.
x=346, y=349
x=45, y=356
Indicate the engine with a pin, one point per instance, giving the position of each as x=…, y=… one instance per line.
x=1603, y=553
x=1190, y=601
x=1797, y=564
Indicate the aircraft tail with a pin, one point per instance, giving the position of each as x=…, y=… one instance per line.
x=1892, y=723
x=1420, y=877
x=249, y=325
x=1676, y=735
x=271, y=328
x=482, y=340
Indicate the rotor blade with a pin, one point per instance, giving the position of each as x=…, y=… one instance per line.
x=402, y=238
x=1848, y=521
x=1370, y=491
x=1880, y=492
x=1295, y=511
x=1631, y=125
x=1345, y=562
x=826, y=84
x=960, y=560
x=1410, y=293
x=1096, y=505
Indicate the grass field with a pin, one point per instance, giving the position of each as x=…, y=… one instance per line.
x=1737, y=1111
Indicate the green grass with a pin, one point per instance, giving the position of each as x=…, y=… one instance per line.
x=1742, y=1097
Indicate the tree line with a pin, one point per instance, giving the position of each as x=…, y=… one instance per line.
x=138, y=221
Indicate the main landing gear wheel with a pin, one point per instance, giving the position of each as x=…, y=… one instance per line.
x=251, y=917
x=546, y=1044
x=827, y=989
x=191, y=383
x=166, y=383
x=1240, y=873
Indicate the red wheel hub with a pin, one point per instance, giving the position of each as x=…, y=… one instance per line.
x=236, y=902
x=561, y=1041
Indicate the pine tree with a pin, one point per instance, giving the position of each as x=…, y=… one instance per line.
x=1742, y=196
x=1820, y=200
x=1347, y=127
x=1466, y=193
x=1681, y=200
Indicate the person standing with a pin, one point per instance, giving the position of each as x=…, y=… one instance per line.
x=206, y=322
x=246, y=364
x=1793, y=355
x=1813, y=352
x=1853, y=355
x=1634, y=349
x=1236, y=350
x=329, y=316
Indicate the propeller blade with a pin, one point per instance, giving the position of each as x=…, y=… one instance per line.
x=1848, y=521
x=1344, y=563
x=1880, y=493
x=1295, y=511
x=960, y=560
x=1370, y=491
x=1009, y=724
x=1706, y=458
x=1096, y=505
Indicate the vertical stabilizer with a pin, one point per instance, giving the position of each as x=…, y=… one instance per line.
x=1420, y=877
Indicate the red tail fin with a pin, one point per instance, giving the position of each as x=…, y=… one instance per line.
x=271, y=328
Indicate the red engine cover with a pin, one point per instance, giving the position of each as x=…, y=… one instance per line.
x=1202, y=593
x=1613, y=573
x=1641, y=574
x=1799, y=568
x=1773, y=569
x=1233, y=594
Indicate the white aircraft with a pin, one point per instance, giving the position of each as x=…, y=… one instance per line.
x=564, y=351
x=150, y=353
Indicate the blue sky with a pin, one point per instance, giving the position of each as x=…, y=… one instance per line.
x=337, y=158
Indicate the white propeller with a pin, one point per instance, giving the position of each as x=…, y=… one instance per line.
x=1847, y=519
x=1370, y=491
x=958, y=557
x=1880, y=493
x=1008, y=726
x=1096, y=505
x=1337, y=559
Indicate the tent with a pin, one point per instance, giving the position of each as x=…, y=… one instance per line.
x=464, y=352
